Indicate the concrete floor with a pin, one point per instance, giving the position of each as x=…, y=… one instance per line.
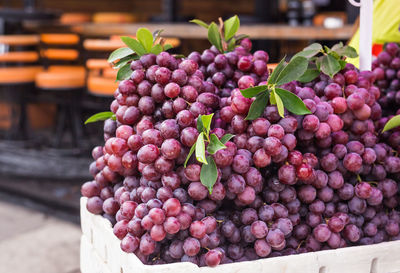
x=34, y=240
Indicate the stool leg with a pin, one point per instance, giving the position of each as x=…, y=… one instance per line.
x=12, y=132
x=23, y=121
x=76, y=126
x=60, y=126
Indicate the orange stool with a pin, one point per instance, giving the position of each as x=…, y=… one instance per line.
x=75, y=18
x=114, y=17
x=18, y=69
x=63, y=82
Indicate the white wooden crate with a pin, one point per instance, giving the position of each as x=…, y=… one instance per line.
x=101, y=253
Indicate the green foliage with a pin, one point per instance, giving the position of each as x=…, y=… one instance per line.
x=392, y=123
x=231, y=27
x=100, y=116
x=120, y=53
x=146, y=43
x=292, y=102
x=224, y=37
x=209, y=171
x=253, y=91
x=226, y=138
x=124, y=72
x=258, y=105
x=214, y=36
x=282, y=74
x=200, y=149
x=292, y=71
x=209, y=174
x=327, y=60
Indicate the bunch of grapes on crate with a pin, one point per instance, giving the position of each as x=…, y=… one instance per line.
x=214, y=159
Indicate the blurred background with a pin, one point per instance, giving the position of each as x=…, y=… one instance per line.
x=54, y=75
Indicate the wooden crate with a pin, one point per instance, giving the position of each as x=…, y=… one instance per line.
x=101, y=253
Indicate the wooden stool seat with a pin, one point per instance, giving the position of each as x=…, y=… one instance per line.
x=102, y=45
x=60, y=54
x=114, y=17
x=22, y=40
x=61, y=78
x=101, y=86
x=110, y=73
x=20, y=56
x=15, y=75
x=59, y=38
x=97, y=64
x=75, y=18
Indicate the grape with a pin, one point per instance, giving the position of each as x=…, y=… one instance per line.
x=322, y=233
x=213, y=258
x=275, y=237
x=259, y=229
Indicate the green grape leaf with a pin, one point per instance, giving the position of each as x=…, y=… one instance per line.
x=231, y=26
x=232, y=44
x=314, y=46
x=307, y=53
x=226, y=138
x=200, y=126
x=342, y=64
x=200, y=23
x=119, y=54
x=124, y=72
x=274, y=75
x=272, y=99
x=215, y=144
x=200, y=149
x=293, y=70
x=337, y=46
x=347, y=51
x=189, y=154
x=309, y=75
x=258, y=106
x=310, y=51
x=134, y=45
x=167, y=47
x=214, y=37
x=156, y=49
x=279, y=104
x=123, y=61
x=253, y=91
x=292, y=102
x=100, y=116
x=145, y=38
x=241, y=37
x=392, y=123
x=330, y=65
x=209, y=174
x=206, y=120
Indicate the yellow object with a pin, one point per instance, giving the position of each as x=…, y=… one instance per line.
x=385, y=28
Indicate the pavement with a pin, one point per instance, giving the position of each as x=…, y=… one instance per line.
x=37, y=239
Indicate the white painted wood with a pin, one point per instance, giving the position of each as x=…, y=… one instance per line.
x=101, y=253
x=365, y=45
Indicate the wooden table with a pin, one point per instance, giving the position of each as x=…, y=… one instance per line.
x=192, y=31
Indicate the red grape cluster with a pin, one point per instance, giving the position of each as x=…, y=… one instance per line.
x=386, y=69
x=285, y=185
x=238, y=68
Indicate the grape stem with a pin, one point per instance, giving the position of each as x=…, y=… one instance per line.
x=221, y=33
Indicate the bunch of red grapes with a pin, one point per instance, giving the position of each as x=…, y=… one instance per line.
x=386, y=69
x=285, y=185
